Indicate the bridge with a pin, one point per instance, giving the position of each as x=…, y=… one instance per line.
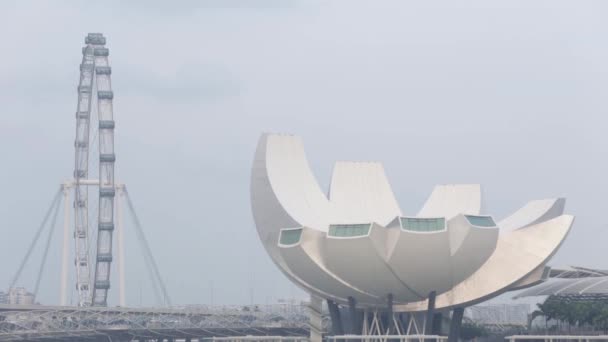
x=60, y=323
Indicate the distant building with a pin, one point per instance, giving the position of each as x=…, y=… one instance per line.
x=286, y=307
x=3, y=297
x=19, y=296
x=501, y=314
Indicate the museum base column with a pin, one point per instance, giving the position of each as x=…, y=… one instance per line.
x=356, y=320
x=316, y=318
x=430, y=313
x=336, y=319
x=455, y=324
x=437, y=321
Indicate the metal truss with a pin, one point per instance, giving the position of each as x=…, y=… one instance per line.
x=499, y=316
x=122, y=324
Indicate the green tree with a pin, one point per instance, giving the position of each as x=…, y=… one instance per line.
x=576, y=313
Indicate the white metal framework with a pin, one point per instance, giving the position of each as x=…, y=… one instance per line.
x=44, y=323
x=590, y=287
x=94, y=86
x=122, y=201
x=551, y=338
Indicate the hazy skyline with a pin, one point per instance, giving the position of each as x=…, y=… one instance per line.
x=508, y=94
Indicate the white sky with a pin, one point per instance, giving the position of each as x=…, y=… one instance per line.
x=510, y=94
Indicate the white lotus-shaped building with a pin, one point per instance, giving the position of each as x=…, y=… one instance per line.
x=356, y=245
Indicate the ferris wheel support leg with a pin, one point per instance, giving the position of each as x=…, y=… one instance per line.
x=121, y=246
x=66, y=246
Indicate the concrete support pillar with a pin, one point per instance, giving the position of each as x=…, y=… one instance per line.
x=404, y=317
x=390, y=324
x=437, y=320
x=355, y=320
x=336, y=319
x=120, y=240
x=455, y=324
x=65, y=264
x=316, y=318
x=430, y=312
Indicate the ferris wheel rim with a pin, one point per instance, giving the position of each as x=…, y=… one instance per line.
x=95, y=74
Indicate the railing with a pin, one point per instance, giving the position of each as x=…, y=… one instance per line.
x=257, y=339
x=384, y=338
x=551, y=338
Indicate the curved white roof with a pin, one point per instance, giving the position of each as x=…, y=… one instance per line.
x=361, y=190
x=304, y=261
x=357, y=243
x=470, y=246
x=408, y=257
x=361, y=261
x=449, y=200
x=569, y=286
x=534, y=212
x=269, y=213
x=516, y=256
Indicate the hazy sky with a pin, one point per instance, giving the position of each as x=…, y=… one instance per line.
x=509, y=94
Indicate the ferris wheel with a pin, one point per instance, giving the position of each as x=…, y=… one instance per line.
x=94, y=117
x=94, y=211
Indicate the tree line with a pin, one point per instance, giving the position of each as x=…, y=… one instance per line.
x=574, y=313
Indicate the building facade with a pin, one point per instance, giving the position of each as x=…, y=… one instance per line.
x=357, y=250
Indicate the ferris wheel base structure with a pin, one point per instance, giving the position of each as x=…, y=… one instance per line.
x=67, y=188
x=122, y=201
